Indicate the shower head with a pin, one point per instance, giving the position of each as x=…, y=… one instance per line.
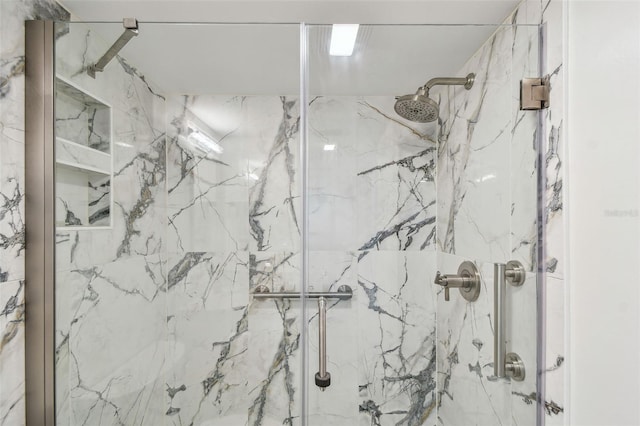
x=422, y=109
x=419, y=107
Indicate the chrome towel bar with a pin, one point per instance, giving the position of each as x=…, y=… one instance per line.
x=322, y=377
x=262, y=292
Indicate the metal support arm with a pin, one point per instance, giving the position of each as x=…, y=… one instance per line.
x=344, y=293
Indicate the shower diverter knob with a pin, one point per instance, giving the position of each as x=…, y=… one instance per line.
x=467, y=280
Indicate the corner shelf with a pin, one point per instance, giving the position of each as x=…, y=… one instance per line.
x=84, y=167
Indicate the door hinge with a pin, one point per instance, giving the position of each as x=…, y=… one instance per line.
x=534, y=93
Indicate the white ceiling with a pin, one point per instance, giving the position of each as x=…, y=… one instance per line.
x=264, y=59
x=310, y=11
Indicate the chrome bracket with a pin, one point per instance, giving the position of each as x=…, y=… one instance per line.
x=534, y=93
x=514, y=367
x=130, y=30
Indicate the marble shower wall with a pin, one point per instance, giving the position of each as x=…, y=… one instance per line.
x=234, y=223
x=372, y=227
x=111, y=321
x=554, y=149
x=382, y=376
x=487, y=213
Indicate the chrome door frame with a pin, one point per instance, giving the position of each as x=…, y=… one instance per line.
x=41, y=232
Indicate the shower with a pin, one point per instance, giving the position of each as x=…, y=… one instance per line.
x=422, y=109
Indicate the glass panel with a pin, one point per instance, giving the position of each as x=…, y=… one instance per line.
x=487, y=212
x=155, y=323
x=392, y=201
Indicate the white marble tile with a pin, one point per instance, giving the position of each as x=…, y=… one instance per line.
x=248, y=191
x=396, y=355
x=554, y=146
x=555, y=368
x=12, y=313
x=395, y=185
x=121, y=313
x=138, y=189
x=328, y=270
x=274, y=366
x=333, y=149
x=83, y=197
x=82, y=119
x=473, y=156
x=116, y=344
x=208, y=319
x=12, y=226
x=278, y=271
x=207, y=224
x=274, y=198
x=208, y=281
x=521, y=313
x=554, y=149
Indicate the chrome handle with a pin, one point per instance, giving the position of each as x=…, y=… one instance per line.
x=499, y=340
x=505, y=364
x=323, y=378
x=262, y=292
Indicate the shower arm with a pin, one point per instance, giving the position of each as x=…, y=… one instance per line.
x=467, y=82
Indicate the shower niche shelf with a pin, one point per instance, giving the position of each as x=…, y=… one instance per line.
x=83, y=158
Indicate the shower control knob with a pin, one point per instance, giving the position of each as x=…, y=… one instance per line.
x=443, y=281
x=467, y=280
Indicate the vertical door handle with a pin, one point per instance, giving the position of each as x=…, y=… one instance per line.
x=323, y=378
x=505, y=364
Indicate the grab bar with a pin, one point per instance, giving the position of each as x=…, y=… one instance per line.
x=262, y=292
x=505, y=364
x=323, y=378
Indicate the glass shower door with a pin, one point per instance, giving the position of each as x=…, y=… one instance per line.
x=392, y=201
x=488, y=213
x=178, y=192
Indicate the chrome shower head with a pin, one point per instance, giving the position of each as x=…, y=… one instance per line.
x=419, y=107
x=422, y=109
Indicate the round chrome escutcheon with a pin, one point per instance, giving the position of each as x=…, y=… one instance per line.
x=469, y=270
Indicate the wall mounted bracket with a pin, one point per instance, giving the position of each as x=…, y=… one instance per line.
x=534, y=93
x=130, y=30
